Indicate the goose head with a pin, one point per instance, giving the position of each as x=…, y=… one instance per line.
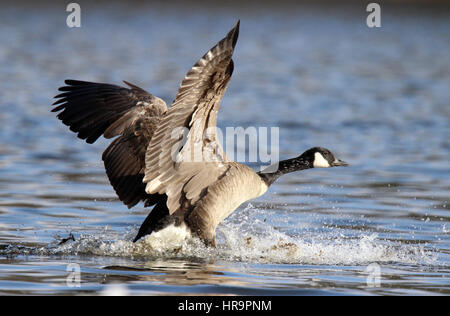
x=319, y=157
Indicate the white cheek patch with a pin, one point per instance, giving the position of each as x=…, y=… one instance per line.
x=320, y=162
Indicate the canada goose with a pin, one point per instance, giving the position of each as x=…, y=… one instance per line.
x=141, y=162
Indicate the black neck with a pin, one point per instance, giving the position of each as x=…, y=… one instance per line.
x=286, y=166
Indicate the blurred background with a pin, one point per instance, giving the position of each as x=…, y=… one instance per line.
x=377, y=97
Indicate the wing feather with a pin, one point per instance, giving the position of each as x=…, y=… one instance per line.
x=169, y=164
x=95, y=109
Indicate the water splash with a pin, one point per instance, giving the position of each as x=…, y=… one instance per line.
x=247, y=239
x=244, y=238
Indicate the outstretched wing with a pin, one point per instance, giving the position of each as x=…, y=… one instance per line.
x=95, y=109
x=185, y=156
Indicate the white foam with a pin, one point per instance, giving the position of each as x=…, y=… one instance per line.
x=168, y=239
x=244, y=238
x=257, y=241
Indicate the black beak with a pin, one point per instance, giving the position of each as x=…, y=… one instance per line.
x=339, y=163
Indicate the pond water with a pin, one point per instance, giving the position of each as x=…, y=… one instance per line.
x=378, y=98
